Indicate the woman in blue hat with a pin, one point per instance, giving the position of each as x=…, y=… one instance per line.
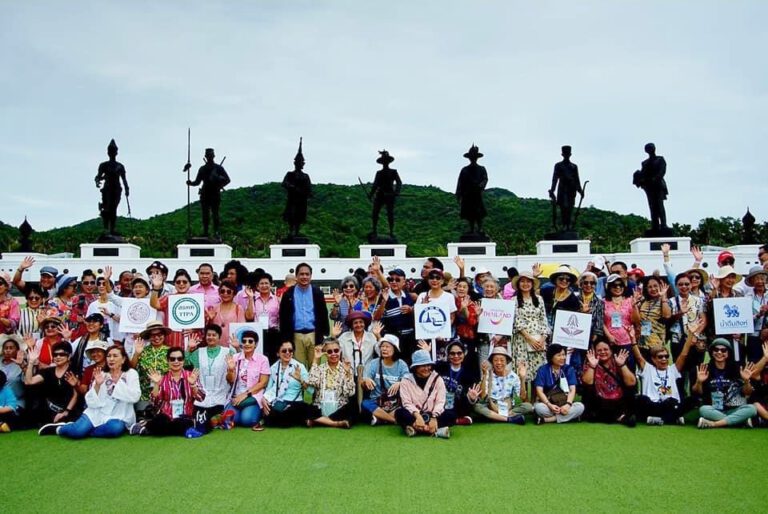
x=422, y=393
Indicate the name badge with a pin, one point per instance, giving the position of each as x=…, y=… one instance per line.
x=615, y=320
x=449, y=399
x=564, y=384
x=645, y=328
x=718, y=400
x=177, y=408
x=264, y=321
x=503, y=408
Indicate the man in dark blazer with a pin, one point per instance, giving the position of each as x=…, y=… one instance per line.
x=304, y=316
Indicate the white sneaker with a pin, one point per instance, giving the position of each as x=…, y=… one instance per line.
x=50, y=429
x=443, y=433
x=654, y=420
x=705, y=423
x=681, y=420
x=374, y=420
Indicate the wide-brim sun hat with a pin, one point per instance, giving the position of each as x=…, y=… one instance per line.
x=97, y=345
x=703, y=274
x=755, y=271
x=529, y=276
x=388, y=338
x=421, y=358
x=727, y=271
x=500, y=350
x=352, y=316
x=154, y=325
x=563, y=270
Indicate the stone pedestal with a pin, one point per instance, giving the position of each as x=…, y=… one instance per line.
x=382, y=250
x=564, y=247
x=479, y=249
x=112, y=250
x=204, y=251
x=653, y=244
x=300, y=252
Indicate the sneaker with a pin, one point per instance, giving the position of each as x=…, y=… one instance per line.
x=4, y=428
x=410, y=431
x=681, y=420
x=749, y=423
x=374, y=420
x=517, y=419
x=443, y=433
x=705, y=423
x=50, y=429
x=464, y=421
x=653, y=420
x=539, y=420
x=629, y=421
x=193, y=433
x=137, y=429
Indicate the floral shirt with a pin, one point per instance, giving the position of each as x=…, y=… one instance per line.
x=151, y=358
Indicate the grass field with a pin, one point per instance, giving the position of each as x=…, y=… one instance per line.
x=483, y=468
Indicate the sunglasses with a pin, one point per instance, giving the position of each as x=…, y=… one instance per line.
x=720, y=349
x=662, y=356
x=88, y=282
x=455, y=353
x=393, y=279
x=621, y=286
x=684, y=284
x=225, y=291
x=156, y=334
x=181, y=282
x=61, y=354
x=287, y=350
x=175, y=359
x=34, y=298
x=50, y=327
x=349, y=286
x=695, y=277
x=435, y=277
x=249, y=340
x=562, y=277
x=332, y=351
x=588, y=283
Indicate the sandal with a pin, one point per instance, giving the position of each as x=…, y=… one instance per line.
x=258, y=427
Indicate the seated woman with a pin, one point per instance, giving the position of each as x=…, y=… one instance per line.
x=334, y=383
x=382, y=378
x=282, y=404
x=760, y=396
x=659, y=401
x=109, y=401
x=422, y=393
x=609, y=386
x=251, y=379
x=150, y=357
x=499, y=388
x=96, y=351
x=555, y=385
x=216, y=366
x=11, y=363
x=724, y=388
x=461, y=382
x=173, y=395
x=357, y=345
x=9, y=406
x=57, y=397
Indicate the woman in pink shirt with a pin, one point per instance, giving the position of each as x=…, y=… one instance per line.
x=251, y=378
x=619, y=316
x=226, y=312
x=264, y=307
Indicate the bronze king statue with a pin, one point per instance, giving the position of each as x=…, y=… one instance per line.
x=298, y=189
x=110, y=174
x=469, y=192
x=650, y=178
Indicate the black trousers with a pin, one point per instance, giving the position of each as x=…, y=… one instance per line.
x=162, y=425
x=405, y=418
x=295, y=414
x=607, y=411
x=668, y=410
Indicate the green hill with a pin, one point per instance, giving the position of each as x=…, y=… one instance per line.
x=426, y=218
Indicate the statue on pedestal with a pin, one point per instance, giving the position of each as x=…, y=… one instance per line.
x=213, y=178
x=650, y=177
x=562, y=192
x=385, y=190
x=298, y=187
x=469, y=192
x=25, y=232
x=111, y=173
x=748, y=233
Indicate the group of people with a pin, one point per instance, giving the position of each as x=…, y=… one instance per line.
x=353, y=356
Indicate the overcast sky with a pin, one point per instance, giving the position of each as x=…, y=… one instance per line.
x=421, y=79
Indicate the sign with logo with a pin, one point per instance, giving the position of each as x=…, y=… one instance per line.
x=237, y=329
x=572, y=329
x=135, y=313
x=733, y=316
x=497, y=316
x=185, y=311
x=433, y=319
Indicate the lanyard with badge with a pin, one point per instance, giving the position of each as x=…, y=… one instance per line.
x=452, y=388
x=178, y=392
x=718, y=396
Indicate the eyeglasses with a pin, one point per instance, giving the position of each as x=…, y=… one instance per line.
x=619, y=285
x=286, y=350
x=249, y=340
x=393, y=279
x=34, y=298
x=684, y=284
x=225, y=291
x=61, y=354
x=455, y=353
x=175, y=359
x=563, y=277
x=88, y=282
x=435, y=277
x=588, y=283
x=156, y=334
x=331, y=351
x=719, y=349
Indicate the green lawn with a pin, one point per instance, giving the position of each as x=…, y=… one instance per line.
x=578, y=468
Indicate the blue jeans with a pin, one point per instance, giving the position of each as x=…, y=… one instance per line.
x=370, y=405
x=84, y=428
x=248, y=416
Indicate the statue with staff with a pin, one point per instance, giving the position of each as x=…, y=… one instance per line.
x=565, y=185
x=212, y=178
x=385, y=190
x=109, y=177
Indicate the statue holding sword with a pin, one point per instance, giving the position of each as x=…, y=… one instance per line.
x=111, y=173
